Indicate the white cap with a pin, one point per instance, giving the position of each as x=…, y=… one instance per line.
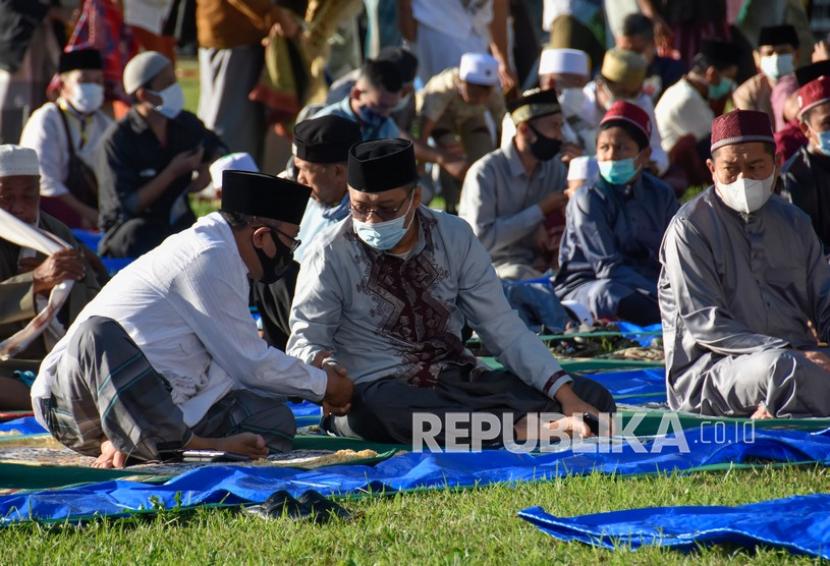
x=564, y=60
x=237, y=161
x=479, y=69
x=583, y=168
x=142, y=69
x=16, y=160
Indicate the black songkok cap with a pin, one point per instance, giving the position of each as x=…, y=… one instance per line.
x=719, y=54
x=80, y=59
x=265, y=196
x=778, y=35
x=326, y=139
x=382, y=165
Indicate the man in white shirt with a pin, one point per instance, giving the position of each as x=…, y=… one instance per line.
x=441, y=32
x=684, y=113
x=67, y=131
x=167, y=356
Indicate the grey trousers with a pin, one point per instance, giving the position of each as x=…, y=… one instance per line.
x=784, y=380
x=114, y=393
x=226, y=77
x=382, y=411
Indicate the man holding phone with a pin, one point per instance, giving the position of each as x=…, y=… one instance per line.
x=156, y=155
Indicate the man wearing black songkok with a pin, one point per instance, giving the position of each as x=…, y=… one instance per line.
x=385, y=295
x=167, y=356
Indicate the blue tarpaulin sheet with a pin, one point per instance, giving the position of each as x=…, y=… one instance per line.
x=23, y=426
x=635, y=387
x=707, y=446
x=635, y=332
x=800, y=524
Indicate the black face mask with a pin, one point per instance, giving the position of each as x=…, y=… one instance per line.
x=544, y=148
x=274, y=268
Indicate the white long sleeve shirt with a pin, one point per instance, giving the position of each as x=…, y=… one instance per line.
x=185, y=304
x=45, y=133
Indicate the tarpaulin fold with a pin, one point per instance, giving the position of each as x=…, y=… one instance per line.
x=707, y=446
x=801, y=524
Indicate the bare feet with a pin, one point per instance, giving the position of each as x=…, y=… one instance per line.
x=110, y=457
x=573, y=426
x=761, y=413
x=247, y=443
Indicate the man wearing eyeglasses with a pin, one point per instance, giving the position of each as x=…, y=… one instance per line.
x=384, y=295
x=167, y=357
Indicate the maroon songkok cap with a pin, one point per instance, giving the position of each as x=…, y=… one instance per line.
x=741, y=126
x=813, y=93
x=622, y=111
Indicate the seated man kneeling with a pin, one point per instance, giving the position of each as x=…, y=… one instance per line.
x=167, y=355
x=385, y=295
x=608, y=256
x=28, y=277
x=745, y=289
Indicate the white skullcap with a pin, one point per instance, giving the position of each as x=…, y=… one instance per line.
x=564, y=60
x=16, y=160
x=479, y=69
x=583, y=168
x=237, y=161
x=142, y=69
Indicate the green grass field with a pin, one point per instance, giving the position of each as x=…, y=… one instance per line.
x=443, y=527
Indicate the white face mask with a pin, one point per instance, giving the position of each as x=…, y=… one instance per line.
x=86, y=97
x=776, y=66
x=172, y=101
x=746, y=195
x=572, y=101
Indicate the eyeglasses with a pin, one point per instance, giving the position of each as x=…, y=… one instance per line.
x=383, y=212
x=295, y=243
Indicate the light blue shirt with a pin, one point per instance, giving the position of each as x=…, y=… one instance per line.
x=316, y=219
x=385, y=127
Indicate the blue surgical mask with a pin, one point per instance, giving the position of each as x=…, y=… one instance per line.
x=724, y=87
x=383, y=236
x=776, y=66
x=824, y=142
x=618, y=172
x=370, y=117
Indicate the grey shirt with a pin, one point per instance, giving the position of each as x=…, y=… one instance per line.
x=735, y=284
x=501, y=202
x=386, y=316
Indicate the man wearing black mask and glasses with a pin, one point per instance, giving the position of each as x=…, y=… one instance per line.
x=509, y=193
x=167, y=356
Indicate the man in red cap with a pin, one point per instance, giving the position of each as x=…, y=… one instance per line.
x=608, y=256
x=745, y=289
x=806, y=175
